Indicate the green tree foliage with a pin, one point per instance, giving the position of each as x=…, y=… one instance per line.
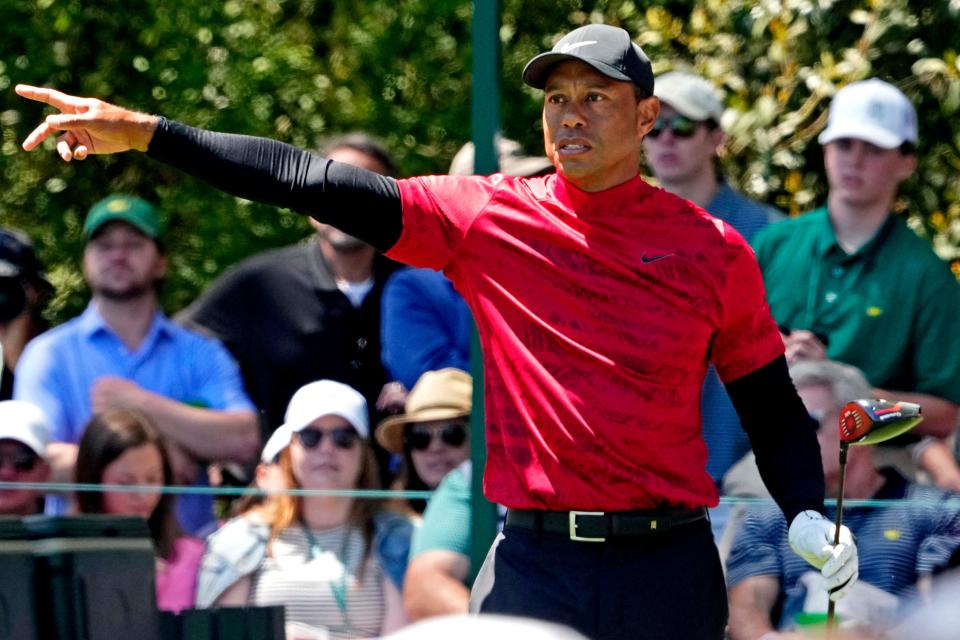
x=779, y=62
x=301, y=70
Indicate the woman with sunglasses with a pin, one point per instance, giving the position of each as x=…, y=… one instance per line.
x=431, y=434
x=24, y=436
x=335, y=562
x=122, y=447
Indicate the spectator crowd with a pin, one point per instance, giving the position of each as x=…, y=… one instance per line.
x=325, y=366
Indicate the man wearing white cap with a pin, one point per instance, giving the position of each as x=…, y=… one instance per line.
x=851, y=282
x=24, y=435
x=681, y=151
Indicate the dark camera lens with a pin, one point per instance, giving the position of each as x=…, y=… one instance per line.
x=13, y=300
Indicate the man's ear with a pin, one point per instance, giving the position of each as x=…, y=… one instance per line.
x=647, y=111
x=718, y=138
x=908, y=164
x=161, y=269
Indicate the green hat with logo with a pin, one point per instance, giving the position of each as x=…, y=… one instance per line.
x=130, y=209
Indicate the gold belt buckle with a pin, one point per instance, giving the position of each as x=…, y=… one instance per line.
x=573, y=526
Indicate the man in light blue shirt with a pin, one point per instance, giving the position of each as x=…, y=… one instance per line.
x=122, y=351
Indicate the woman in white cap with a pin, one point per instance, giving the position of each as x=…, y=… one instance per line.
x=335, y=562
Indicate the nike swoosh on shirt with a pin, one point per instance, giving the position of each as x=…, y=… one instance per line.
x=649, y=259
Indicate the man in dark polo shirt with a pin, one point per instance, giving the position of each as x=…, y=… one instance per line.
x=850, y=282
x=306, y=312
x=599, y=301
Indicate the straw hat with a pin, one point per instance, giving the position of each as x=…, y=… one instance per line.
x=444, y=394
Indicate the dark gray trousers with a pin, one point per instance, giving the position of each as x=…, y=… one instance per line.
x=657, y=587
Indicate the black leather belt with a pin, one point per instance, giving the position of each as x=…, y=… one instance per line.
x=597, y=526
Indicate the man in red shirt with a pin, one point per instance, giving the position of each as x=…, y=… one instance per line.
x=599, y=302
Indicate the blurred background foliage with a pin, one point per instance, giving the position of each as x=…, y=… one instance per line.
x=302, y=70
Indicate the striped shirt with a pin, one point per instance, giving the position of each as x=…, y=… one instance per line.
x=896, y=543
x=321, y=583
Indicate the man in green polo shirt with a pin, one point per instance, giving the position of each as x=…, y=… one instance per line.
x=851, y=282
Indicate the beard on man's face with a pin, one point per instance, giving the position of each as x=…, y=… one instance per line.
x=126, y=292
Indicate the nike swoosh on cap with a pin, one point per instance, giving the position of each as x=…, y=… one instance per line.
x=567, y=48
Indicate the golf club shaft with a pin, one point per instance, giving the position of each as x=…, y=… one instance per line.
x=831, y=605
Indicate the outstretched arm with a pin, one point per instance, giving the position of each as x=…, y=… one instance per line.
x=359, y=202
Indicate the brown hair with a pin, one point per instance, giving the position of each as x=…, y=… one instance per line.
x=108, y=436
x=247, y=501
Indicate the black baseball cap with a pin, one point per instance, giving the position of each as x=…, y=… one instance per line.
x=607, y=49
x=18, y=259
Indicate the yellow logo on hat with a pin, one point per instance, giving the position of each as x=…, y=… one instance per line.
x=118, y=205
x=873, y=312
x=892, y=534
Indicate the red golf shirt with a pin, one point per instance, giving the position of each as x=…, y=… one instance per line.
x=598, y=313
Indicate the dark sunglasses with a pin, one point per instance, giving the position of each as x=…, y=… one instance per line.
x=680, y=126
x=342, y=437
x=419, y=437
x=21, y=462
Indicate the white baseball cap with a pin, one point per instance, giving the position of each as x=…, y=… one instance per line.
x=691, y=95
x=874, y=111
x=25, y=423
x=276, y=443
x=315, y=400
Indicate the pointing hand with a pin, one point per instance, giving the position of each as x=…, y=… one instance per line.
x=90, y=125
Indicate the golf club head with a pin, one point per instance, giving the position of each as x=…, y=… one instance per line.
x=873, y=421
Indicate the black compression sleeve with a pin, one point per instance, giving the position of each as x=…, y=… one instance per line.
x=360, y=202
x=783, y=437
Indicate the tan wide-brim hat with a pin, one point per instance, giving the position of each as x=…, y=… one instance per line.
x=444, y=394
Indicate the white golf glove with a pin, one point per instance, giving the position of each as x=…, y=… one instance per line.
x=811, y=538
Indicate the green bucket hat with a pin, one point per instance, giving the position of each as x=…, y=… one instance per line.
x=130, y=209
